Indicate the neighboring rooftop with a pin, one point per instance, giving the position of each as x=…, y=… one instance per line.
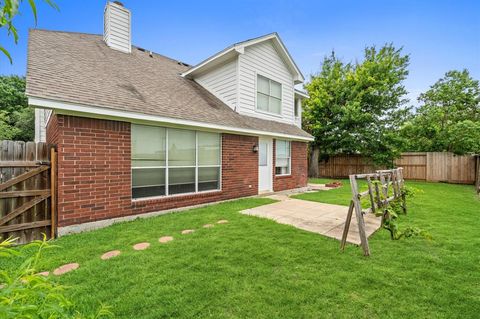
x=81, y=69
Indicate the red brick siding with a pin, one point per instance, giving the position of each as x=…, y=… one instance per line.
x=298, y=176
x=93, y=168
x=94, y=171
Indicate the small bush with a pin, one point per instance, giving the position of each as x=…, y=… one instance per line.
x=26, y=294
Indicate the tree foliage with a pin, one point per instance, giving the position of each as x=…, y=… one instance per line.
x=358, y=107
x=17, y=120
x=9, y=9
x=448, y=118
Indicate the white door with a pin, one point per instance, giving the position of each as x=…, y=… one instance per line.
x=265, y=159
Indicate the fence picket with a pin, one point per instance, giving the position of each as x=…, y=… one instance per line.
x=25, y=190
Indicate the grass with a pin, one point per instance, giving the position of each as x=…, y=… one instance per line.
x=256, y=268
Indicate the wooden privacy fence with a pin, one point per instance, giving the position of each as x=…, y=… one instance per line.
x=477, y=176
x=427, y=166
x=27, y=190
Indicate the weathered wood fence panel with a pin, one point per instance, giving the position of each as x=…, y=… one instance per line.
x=427, y=166
x=477, y=174
x=346, y=165
x=414, y=165
x=25, y=190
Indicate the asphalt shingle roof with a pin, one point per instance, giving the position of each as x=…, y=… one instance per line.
x=81, y=68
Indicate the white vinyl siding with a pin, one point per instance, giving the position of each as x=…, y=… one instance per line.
x=222, y=82
x=263, y=59
x=117, y=33
x=41, y=120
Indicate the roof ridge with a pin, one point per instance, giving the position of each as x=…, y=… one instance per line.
x=63, y=31
x=256, y=38
x=100, y=35
x=160, y=55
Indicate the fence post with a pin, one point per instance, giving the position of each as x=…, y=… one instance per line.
x=53, y=189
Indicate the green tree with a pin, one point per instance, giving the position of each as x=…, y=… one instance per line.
x=9, y=9
x=448, y=117
x=358, y=108
x=17, y=121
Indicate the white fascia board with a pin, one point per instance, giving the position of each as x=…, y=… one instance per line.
x=239, y=48
x=226, y=53
x=302, y=94
x=299, y=78
x=134, y=117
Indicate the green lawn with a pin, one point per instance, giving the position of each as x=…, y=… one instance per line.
x=256, y=268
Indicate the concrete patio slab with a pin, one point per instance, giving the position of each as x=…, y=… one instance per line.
x=321, y=218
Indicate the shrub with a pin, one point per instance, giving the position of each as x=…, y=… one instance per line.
x=26, y=294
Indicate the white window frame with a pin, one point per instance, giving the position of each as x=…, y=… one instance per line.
x=167, y=166
x=296, y=109
x=257, y=75
x=289, y=158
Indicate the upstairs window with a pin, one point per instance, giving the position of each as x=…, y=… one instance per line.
x=282, y=157
x=269, y=95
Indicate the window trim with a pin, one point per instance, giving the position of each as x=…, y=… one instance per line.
x=289, y=158
x=296, y=109
x=269, y=95
x=166, y=167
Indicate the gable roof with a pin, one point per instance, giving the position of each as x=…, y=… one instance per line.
x=239, y=48
x=79, y=71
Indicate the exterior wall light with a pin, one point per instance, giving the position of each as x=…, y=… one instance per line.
x=255, y=148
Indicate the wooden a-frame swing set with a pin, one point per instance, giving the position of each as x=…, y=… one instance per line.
x=384, y=186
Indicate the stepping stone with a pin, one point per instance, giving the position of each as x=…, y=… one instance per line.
x=222, y=221
x=65, y=268
x=141, y=246
x=3, y=286
x=165, y=239
x=44, y=273
x=187, y=231
x=110, y=254
x=208, y=226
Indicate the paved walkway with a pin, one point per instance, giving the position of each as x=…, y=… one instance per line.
x=324, y=219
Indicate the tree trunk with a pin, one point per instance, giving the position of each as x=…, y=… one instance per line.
x=313, y=163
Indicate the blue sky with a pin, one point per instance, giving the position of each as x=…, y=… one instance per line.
x=439, y=35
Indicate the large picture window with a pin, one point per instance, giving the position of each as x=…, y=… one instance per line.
x=269, y=95
x=168, y=161
x=282, y=157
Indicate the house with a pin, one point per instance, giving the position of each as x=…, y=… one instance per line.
x=137, y=132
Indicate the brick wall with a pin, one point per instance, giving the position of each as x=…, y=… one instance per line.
x=93, y=168
x=94, y=171
x=298, y=177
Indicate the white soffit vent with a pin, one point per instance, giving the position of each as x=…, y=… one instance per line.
x=117, y=32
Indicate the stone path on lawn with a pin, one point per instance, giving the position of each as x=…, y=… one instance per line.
x=114, y=253
x=110, y=254
x=65, y=268
x=165, y=239
x=141, y=246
